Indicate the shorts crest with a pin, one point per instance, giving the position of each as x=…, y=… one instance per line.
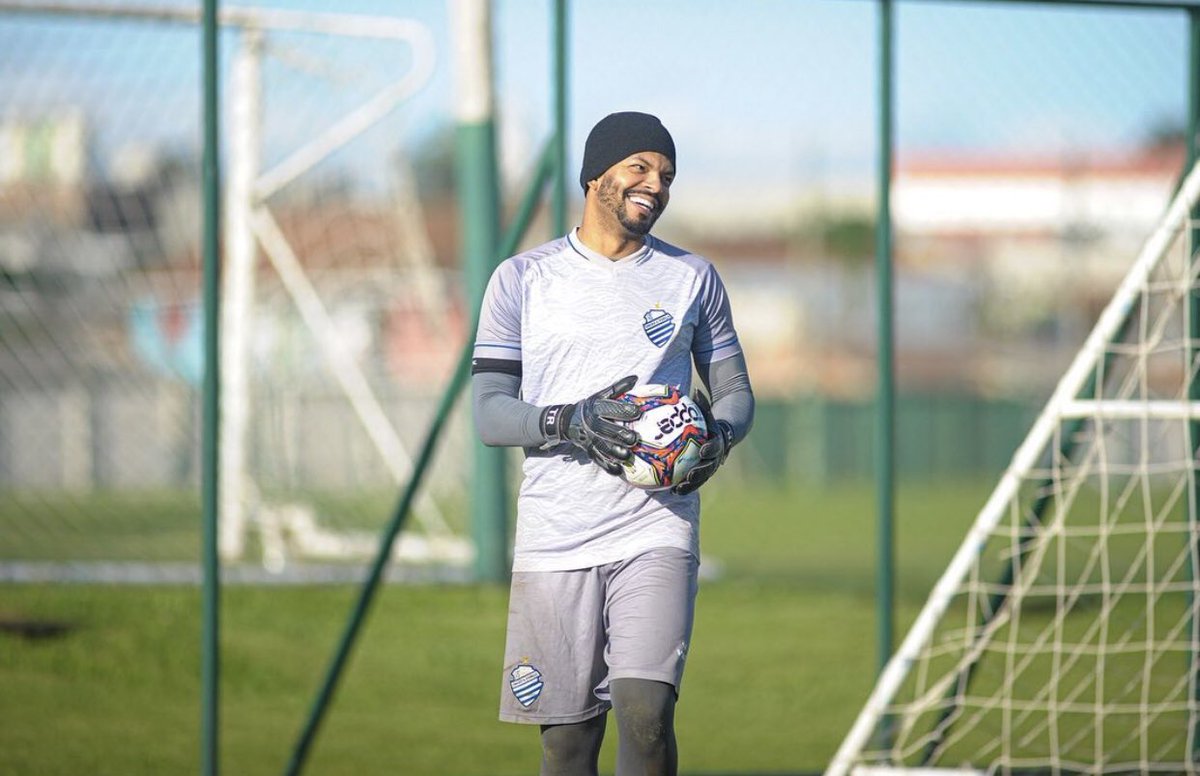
x=526, y=684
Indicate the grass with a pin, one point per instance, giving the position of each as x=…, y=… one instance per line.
x=145, y=526
x=782, y=659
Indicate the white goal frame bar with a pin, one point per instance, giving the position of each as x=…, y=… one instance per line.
x=1063, y=403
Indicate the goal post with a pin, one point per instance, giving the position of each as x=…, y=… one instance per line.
x=1063, y=635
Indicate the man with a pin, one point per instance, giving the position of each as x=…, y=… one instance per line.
x=604, y=574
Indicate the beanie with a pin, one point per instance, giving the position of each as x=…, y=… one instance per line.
x=619, y=135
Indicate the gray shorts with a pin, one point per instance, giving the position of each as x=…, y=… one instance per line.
x=571, y=632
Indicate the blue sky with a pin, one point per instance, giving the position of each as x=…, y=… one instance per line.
x=783, y=87
x=763, y=93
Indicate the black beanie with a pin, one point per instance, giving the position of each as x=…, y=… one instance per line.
x=619, y=135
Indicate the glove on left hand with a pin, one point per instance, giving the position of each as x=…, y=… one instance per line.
x=712, y=453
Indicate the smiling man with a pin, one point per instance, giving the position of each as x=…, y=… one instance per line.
x=633, y=191
x=604, y=574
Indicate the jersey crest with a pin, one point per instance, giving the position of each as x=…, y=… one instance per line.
x=659, y=325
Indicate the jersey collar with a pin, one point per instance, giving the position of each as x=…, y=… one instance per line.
x=599, y=259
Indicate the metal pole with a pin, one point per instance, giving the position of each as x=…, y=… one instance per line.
x=210, y=638
x=885, y=410
x=1192, y=240
x=559, y=190
x=367, y=596
x=478, y=196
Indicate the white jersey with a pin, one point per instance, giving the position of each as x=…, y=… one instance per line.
x=576, y=321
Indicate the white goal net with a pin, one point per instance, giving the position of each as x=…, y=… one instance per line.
x=342, y=311
x=1063, y=637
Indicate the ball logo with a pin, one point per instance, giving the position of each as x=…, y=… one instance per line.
x=682, y=415
x=671, y=430
x=526, y=684
x=659, y=325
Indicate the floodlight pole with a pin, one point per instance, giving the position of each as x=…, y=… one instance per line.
x=210, y=641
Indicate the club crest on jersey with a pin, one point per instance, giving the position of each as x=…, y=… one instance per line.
x=659, y=325
x=526, y=684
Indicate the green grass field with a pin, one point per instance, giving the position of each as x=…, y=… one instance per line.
x=782, y=658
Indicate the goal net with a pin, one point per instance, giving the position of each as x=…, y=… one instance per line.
x=1063, y=637
x=342, y=313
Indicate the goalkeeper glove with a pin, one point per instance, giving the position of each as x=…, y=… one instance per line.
x=712, y=453
x=593, y=425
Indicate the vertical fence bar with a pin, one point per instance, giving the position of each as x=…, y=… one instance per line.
x=210, y=638
x=559, y=185
x=885, y=411
x=1191, y=240
x=366, y=597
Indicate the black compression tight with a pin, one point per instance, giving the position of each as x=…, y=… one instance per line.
x=572, y=749
x=645, y=713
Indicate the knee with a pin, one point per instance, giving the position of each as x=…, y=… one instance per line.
x=645, y=729
x=645, y=712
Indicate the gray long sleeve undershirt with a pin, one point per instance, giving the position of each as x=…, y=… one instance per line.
x=503, y=420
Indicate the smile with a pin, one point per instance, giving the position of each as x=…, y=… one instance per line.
x=643, y=202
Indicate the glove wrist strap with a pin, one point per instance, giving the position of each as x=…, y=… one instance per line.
x=554, y=422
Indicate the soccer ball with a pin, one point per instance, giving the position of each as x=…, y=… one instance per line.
x=670, y=430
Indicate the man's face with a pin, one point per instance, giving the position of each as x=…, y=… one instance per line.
x=636, y=190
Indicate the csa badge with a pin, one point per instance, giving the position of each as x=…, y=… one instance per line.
x=526, y=684
x=659, y=325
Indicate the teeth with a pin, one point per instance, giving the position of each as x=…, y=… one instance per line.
x=646, y=203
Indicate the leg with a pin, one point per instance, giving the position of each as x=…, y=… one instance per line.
x=645, y=712
x=574, y=749
x=651, y=601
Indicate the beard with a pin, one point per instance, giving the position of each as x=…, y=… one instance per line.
x=614, y=200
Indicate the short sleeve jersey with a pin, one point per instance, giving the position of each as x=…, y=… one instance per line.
x=570, y=321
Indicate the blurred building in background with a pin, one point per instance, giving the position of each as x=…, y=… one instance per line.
x=999, y=258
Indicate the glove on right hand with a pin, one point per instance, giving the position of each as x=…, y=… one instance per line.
x=593, y=425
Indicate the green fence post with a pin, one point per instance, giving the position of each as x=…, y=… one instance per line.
x=210, y=638
x=885, y=421
x=559, y=186
x=1193, y=152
